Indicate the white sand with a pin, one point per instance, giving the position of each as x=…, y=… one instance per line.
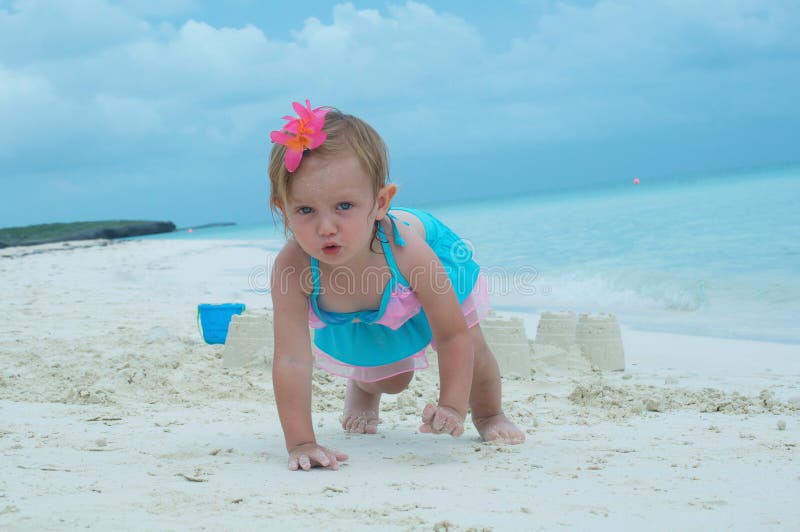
x=115, y=414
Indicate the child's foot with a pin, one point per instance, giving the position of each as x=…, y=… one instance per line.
x=360, y=410
x=498, y=429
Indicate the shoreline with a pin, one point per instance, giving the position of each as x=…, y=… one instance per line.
x=267, y=249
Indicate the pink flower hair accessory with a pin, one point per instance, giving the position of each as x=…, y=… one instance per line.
x=301, y=133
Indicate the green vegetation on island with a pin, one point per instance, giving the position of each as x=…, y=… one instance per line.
x=47, y=233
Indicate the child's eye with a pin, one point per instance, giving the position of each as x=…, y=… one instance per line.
x=345, y=206
x=304, y=210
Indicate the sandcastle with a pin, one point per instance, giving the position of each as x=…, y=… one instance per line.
x=507, y=339
x=600, y=340
x=556, y=328
x=597, y=335
x=250, y=340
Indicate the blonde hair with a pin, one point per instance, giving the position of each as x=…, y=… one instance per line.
x=344, y=132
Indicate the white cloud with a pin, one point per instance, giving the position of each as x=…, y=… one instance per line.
x=129, y=116
x=28, y=105
x=200, y=51
x=41, y=30
x=619, y=66
x=154, y=8
x=196, y=79
x=99, y=72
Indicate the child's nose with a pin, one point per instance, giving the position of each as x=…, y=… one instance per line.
x=326, y=226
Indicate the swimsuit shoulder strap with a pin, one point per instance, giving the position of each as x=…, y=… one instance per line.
x=387, y=248
x=315, y=276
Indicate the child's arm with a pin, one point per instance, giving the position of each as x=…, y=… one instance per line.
x=292, y=363
x=429, y=280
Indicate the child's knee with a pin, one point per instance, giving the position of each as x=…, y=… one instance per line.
x=395, y=384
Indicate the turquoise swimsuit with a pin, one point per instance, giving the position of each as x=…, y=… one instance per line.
x=399, y=328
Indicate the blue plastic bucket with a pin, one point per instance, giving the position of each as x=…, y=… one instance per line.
x=214, y=320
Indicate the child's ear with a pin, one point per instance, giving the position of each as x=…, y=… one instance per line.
x=279, y=205
x=385, y=197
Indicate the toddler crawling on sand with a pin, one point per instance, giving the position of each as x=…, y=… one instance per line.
x=378, y=285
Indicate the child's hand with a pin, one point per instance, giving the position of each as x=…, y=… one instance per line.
x=442, y=420
x=311, y=455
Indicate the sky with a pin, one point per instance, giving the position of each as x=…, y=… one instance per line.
x=161, y=109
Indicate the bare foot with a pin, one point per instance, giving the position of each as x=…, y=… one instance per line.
x=360, y=410
x=498, y=429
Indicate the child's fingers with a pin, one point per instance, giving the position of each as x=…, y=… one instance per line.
x=335, y=456
x=454, y=425
x=438, y=421
x=317, y=456
x=447, y=421
x=441, y=420
x=444, y=421
x=322, y=458
x=330, y=458
x=428, y=413
x=341, y=457
x=427, y=418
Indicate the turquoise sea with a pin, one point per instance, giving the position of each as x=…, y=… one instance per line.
x=714, y=255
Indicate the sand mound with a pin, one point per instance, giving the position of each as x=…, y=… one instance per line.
x=637, y=398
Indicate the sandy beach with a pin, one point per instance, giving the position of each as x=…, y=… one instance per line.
x=115, y=414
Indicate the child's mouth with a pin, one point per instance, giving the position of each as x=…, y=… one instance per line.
x=331, y=249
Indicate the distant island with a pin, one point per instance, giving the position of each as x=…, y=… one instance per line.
x=48, y=233
x=207, y=226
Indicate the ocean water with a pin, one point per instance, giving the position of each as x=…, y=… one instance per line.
x=716, y=255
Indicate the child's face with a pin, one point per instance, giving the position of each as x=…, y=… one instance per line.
x=331, y=208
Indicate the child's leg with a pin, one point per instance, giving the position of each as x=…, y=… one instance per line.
x=485, y=398
x=362, y=402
